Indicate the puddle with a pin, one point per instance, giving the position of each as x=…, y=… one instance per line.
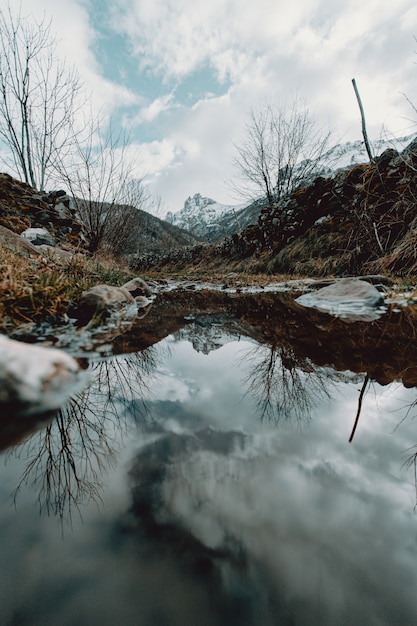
x=206, y=475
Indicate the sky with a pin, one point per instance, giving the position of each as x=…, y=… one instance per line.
x=183, y=75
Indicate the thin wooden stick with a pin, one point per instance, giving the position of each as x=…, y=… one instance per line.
x=364, y=133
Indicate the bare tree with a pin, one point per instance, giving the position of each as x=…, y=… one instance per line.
x=282, y=148
x=100, y=178
x=39, y=98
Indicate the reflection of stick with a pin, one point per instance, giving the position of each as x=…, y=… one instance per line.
x=365, y=382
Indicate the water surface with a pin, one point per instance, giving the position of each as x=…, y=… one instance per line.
x=207, y=478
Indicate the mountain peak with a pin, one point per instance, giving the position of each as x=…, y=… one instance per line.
x=197, y=201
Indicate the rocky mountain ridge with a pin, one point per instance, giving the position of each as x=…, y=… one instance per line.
x=210, y=221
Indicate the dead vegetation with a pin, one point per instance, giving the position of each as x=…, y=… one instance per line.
x=32, y=290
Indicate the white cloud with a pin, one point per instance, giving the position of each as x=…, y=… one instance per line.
x=256, y=52
x=75, y=35
x=150, y=112
x=153, y=157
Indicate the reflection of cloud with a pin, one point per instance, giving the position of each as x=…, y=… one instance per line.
x=271, y=512
x=266, y=526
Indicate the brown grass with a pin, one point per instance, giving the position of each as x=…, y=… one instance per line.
x=34, y=290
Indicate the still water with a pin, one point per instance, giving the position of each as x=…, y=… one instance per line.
x=208, y=479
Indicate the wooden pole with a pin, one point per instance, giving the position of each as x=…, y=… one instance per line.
x=364, y=133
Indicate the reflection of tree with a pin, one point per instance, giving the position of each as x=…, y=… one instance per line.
x=285, y=385
x=65, y=461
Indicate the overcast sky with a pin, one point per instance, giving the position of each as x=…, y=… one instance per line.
x=184, y=74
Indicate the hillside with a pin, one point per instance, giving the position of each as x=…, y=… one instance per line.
x=22, y=207
x=362, y=218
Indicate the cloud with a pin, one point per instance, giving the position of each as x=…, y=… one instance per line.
x=150, y=112
x=75, y=35
x=185, y=74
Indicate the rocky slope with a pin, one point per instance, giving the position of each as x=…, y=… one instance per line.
x=22, y=208
x=362, y=218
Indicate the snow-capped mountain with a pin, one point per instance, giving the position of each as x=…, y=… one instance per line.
x=209, y=220
x=353, y=152
x=203, y=216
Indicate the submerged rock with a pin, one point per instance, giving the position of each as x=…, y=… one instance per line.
x=35, y=379
x=349, y=298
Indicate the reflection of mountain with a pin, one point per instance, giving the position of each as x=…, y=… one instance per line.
x=210, y=332
x=384, y=349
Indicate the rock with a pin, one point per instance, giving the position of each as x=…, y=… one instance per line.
x=104, y=301
x=138, y=287
x=35, y=379
x=54, y=251
x=38, y=236
x=11, y=240
x=23, y=207
x=350, y=290
x=349, y=298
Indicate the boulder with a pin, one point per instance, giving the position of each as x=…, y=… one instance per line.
x=104, y=301
x=38, y=236
x=350, y=298
x=138, y=287
x=15, y=242
x=35, y=379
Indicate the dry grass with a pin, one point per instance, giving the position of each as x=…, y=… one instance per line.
x=34, y=290
x=403, y=259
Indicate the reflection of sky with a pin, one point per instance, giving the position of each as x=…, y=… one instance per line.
x=328, y=528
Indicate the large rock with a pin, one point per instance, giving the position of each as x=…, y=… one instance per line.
x=15, y=242
x=38, y=236
x=35, y=379
x=55, y=252
x=104, y=301
x=350, y=298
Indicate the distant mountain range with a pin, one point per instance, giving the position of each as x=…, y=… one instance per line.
x=209, y=220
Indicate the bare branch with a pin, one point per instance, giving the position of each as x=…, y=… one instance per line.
x=282, y=148
x=39, y=98
x=100, y=178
